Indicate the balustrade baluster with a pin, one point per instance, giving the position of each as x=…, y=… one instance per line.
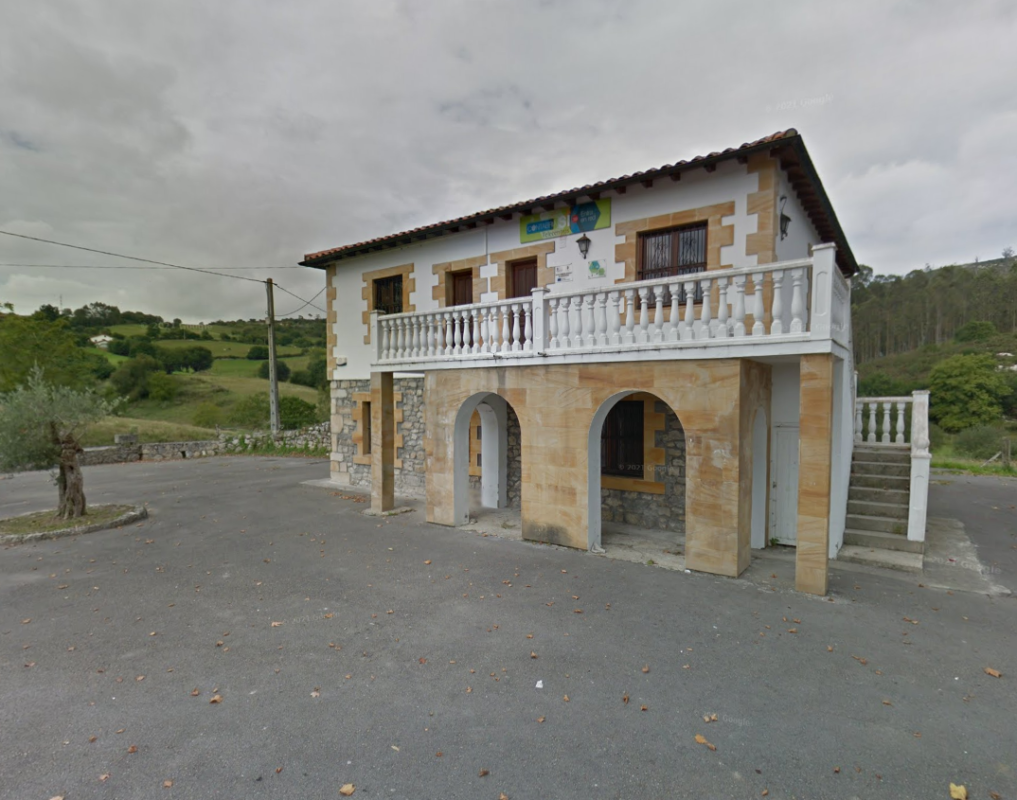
x=614, y=318
x=386, y=346
x=600, y=319
x=429, y=330
x=871, y=438
x=415, y=324
x=457, y=332
x=758, y=329
x=722, y=287
x=673, y=333
x=644, y=315
x=527, y=327
x=450, y=336
x=705, y=315
x=657, y=334
x=899, y=439
x=629, y=336
x=858, y=420
x=475, y=313
x=553, y=322
x=738, y=312
x=777, y=313
x=506, y=330
x=589, y=326
x=565, y=327
x=516, y=332
x=690, y=310
x=886, y=423
x=397, y=347
x=797, y=301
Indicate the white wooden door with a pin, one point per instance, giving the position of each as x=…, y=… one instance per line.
x=784, y=489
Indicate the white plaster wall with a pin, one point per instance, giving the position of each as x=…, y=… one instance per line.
x=800, y=233
x=731, y=181
x=784, y=402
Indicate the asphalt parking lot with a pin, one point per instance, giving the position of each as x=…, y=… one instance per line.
x=405, y=659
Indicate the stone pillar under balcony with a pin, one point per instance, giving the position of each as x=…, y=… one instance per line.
x=383, y=442
x=814, y=473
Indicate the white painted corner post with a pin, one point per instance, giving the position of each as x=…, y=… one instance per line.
x=824, y=262
x=921, y=460
x=540, y=319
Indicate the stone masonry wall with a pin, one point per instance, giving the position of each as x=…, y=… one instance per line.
x=410, y=479
x=655, y=511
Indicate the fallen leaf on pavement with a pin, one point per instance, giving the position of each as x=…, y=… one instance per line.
x=625, y=698
x=709, y=717
x=565, y=698
x=887, y=703
x=132, y=749
x=700, y=739
x=316, y=692
x=532, y=654
x=995, y=673
x=278, y=770
x=105, y=777
x=541, y=719
x=140, y=678
x=347, y=789
x=646, y=669
x=503, y=796
x=643, y=708
x=428, y=562
x=216, y=698
x=484, y=772
x=276, y=624
x=422, y=660
x=764, y=793
x=167, y=784
x=26, y=621
x=958, y=792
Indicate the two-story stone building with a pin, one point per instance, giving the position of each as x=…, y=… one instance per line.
x=669, y=349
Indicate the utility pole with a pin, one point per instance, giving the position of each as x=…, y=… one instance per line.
x=273, y=382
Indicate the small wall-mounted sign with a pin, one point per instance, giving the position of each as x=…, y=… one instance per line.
x=597, y=270
x=563, y=273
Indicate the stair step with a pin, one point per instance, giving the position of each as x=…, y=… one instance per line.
x=888, y=559
x=875, y=509
x=896, y=482
x=867, y=522
x=889, y=455
x=881, y=468
x=881, y=540
x=898, y=497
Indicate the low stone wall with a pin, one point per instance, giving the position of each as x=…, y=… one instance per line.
x=314, y=437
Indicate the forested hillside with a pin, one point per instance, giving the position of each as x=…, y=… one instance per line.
x=894, y=314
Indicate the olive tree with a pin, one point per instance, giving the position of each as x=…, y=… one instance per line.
x=41, y=426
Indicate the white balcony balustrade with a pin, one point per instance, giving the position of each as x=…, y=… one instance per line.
x=792, y=301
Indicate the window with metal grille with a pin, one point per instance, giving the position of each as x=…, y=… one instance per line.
x=676, y=251
x=621, y=440
x=365, y=429
x=388, y=295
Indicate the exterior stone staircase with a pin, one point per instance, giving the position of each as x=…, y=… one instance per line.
x=877, y=514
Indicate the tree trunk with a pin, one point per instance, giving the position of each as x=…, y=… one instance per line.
x=71, y=482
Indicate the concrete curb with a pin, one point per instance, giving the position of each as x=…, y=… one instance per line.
x=135, y=514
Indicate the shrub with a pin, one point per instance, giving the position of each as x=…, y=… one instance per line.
x=208, y=415
x=975, y=331
x=257, y=353
x=981, y=441
x=131, y=378
x=161, y=386
x=302, y=378
x=251, y=412
x=965, y=391
x=296, y=413
x=937, y=436
x=282, y=370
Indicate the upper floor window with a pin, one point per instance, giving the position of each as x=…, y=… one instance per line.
x=522, y=277
x=675, y=251
x=388, y=295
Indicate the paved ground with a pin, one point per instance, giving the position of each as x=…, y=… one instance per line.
x=987, y=506
x=403, y=662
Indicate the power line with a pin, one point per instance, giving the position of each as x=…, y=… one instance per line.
x=305, y=302
x=128, y=266
x=308, y=303
x=132, y=258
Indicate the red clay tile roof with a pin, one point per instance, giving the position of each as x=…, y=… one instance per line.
x=788, y=145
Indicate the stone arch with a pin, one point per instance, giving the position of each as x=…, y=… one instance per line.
x=655, y=483
x=494, y=414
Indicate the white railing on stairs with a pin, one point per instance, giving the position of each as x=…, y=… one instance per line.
x=869, y=431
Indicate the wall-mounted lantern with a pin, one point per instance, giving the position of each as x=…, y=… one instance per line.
x=584, y=245
x=785, y=220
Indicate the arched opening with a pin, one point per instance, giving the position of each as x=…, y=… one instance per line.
x=637, y=475
x=760, y=478
x=487, y=457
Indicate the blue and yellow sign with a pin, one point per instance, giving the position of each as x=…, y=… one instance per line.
x=580, y=218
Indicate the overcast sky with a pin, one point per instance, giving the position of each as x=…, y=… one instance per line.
x=245, y=134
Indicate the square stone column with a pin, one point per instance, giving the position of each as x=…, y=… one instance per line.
x=815, y=455
x=382, y=442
